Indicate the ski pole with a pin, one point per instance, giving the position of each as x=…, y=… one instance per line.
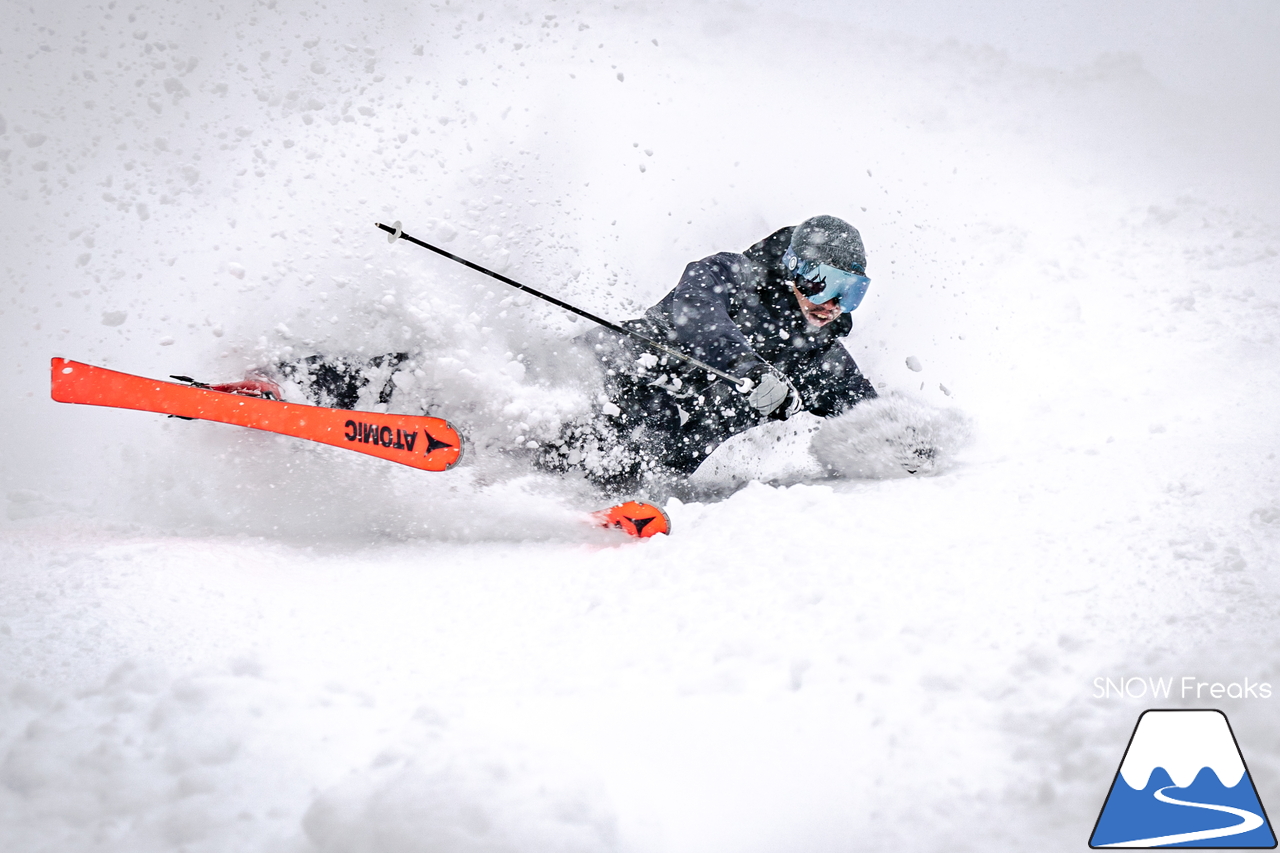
x=395, y=233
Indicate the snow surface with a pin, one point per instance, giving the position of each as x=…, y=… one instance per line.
x=213, y=640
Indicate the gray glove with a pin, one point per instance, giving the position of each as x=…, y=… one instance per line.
x=770, y=392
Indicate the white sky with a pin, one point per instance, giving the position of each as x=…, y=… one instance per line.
x=1224, y=50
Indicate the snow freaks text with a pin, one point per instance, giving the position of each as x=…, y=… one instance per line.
x=1186, y=687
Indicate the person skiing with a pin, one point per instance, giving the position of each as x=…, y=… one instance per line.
x=774, y=316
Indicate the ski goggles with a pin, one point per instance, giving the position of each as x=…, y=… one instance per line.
x=822, y=282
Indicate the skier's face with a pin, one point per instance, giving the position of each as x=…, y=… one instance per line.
x=817, y=314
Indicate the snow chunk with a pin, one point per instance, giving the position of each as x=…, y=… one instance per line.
x=114, y=318
x=445, y=232
x=914, y=364
x=890, y=436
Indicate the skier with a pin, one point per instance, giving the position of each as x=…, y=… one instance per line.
x=772, y=315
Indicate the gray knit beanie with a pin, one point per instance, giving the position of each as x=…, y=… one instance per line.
x=828, y=240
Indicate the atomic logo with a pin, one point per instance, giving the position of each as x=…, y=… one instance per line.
x=1183, y=783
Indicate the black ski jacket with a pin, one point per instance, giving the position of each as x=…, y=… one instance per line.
x=734, y=311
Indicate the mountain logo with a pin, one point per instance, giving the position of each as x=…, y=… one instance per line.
x=1183, y=783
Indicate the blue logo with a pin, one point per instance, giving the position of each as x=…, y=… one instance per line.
x=1183, y=783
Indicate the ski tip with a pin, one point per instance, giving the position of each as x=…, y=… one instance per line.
x=635, y=518
x=453, y=458
x=60, y=378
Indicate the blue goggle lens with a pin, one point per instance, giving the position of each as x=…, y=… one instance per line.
x=822, y=282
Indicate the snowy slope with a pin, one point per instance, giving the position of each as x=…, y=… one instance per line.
x=215, y=640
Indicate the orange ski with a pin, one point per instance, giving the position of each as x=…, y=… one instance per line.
x=636, y=518
x=429, y=444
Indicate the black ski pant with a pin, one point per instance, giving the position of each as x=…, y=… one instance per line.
x=336, y=382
